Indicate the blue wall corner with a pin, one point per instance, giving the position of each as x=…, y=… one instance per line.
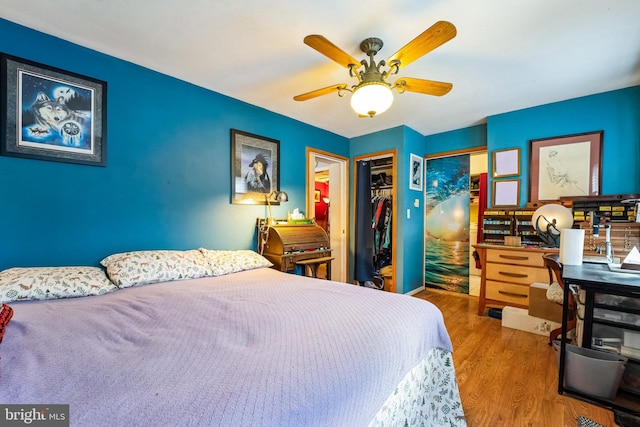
x=616, y=113
x=459, y=139
x=167, y=180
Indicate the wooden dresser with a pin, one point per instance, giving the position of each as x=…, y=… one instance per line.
x=507, y=272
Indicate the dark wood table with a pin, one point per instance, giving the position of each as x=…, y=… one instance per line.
x=597, y=278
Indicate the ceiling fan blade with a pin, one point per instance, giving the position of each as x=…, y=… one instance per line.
x=428, y=87
x=319, y=92
x=434, y=36
x=331, y=51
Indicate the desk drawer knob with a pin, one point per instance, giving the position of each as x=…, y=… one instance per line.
x=509, y=274
x=514, y=257
x=512, y=294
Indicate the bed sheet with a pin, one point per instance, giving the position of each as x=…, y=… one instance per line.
x=255, y=348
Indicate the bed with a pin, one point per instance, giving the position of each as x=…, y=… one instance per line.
x=208, y=337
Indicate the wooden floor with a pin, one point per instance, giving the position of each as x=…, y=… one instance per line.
x=506, y=377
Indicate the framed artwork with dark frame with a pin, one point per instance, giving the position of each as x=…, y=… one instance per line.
x=255, y=168
x=416, y=172
x=565, y=166
x=506, y=193
x=52, y=114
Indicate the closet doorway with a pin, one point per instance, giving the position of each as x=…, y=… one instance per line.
x=327, y=190
x=478, y=202
x=380, y=219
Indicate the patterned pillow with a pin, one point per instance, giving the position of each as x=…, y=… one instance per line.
x=226, y=262
x=52, y=282
x=555, y=293
x=5, y=315
x=143, y=267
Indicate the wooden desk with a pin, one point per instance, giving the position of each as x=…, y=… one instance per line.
x=596, y=278
x=285, y=245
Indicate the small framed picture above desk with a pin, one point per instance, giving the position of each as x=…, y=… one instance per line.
x=506, y=193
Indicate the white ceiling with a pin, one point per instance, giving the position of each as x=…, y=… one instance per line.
x=507, y=55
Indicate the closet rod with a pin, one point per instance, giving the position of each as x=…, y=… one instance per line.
x=389, y=166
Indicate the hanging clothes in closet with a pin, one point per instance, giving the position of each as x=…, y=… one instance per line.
x=382, y=220
x=381, y=225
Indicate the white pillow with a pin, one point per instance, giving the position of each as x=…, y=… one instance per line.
x=143, y=267
x=39, y=283
x=226, y=262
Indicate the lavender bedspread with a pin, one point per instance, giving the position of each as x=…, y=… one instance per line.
x=256, y=348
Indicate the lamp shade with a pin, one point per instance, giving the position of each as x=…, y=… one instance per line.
x=371, y=98
x=279, y=196
x=548, y=220
x=276, y=196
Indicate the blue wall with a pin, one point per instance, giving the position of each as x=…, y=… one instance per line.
x=167, y=180
x=617, y=113
x=411, y=235
x=455, y=140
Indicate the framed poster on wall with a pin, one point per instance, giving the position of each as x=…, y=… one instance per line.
x=565, y=166
x=255, y=168
x=52, y=114
x=416, y=172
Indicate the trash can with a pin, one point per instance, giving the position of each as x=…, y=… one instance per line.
x=589, y=371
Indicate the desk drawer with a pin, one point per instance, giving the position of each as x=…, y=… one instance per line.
x=516, y=294
x=517, y=274
x=515, y=257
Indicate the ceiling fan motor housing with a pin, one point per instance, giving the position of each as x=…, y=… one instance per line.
x=371, y=46
x=371, y=73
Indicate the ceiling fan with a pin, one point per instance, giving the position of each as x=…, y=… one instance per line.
x=372, y=94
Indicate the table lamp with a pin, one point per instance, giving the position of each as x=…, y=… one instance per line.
x=276, y=197
x=263, y=227
x=548, y=220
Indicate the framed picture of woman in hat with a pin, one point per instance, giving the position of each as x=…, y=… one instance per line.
x=255, y=168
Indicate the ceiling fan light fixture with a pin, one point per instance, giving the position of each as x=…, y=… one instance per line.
x=371, y=98
x=372, y=94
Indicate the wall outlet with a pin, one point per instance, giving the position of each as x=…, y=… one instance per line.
x=542, y=326
x=518, y=318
